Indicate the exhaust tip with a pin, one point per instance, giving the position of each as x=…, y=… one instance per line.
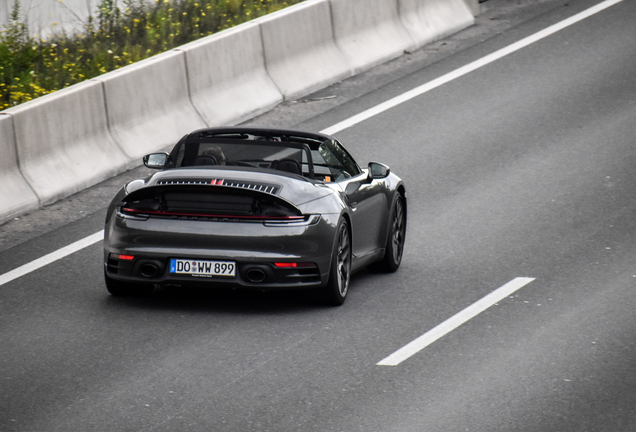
x=255, y=275
x=149, y=270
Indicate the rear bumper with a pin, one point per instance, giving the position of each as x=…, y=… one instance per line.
x=255, y=248
x=258, y=275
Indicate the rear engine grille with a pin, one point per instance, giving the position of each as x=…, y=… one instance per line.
x=257, y=186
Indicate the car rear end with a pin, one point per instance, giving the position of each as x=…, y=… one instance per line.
x=217, y=233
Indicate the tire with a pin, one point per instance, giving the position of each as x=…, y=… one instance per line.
x=396, y=236
x=340, y=273
x=121, y=289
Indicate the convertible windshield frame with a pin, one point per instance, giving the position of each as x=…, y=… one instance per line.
x=199, y=144
x=187, y=152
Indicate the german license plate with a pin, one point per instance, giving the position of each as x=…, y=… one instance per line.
x=202, y=268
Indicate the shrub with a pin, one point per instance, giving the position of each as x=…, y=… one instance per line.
x=113, y=38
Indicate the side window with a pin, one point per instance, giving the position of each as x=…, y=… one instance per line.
x=179, y=156
x=338, y=161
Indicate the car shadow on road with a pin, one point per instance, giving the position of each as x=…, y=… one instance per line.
x=238, y=301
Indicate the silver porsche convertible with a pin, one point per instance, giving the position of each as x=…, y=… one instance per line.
x=254, y=208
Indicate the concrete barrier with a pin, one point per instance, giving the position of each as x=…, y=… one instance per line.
x=16, y=197
x=76, y=137
x=227, y=77
x=300, y=52
x=427, y=20
x=45, y=17
x=369, y=32
x=63, y=142
x=5, y=12
x=474, y=6
x=148, y=104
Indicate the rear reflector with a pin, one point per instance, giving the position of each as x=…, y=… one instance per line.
x=123, y=257
x=293, y=264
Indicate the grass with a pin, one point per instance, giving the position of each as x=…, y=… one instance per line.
x=114, y=37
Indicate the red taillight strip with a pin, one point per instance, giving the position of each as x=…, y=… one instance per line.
x=293, y=264
x=122, y=257
x=162, y=213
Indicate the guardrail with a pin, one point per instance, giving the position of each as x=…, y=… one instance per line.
x=66, y=141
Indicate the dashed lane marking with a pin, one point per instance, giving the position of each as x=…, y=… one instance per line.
x=52, y=257
x=453, y=322
x=424, y=88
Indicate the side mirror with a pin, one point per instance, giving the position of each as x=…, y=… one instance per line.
x=156, y=160
x=377, y=171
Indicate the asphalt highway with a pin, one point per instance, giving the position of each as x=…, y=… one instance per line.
x=521, y=168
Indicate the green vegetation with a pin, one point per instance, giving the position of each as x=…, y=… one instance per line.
x=30, y=68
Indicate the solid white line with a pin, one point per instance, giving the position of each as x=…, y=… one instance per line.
x=453, y=322
x=52, y=257
x=418, y=91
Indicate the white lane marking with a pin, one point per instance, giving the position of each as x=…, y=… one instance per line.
x=52, y=257
x=453, y=322
x=378, y=109
x=391, y=103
